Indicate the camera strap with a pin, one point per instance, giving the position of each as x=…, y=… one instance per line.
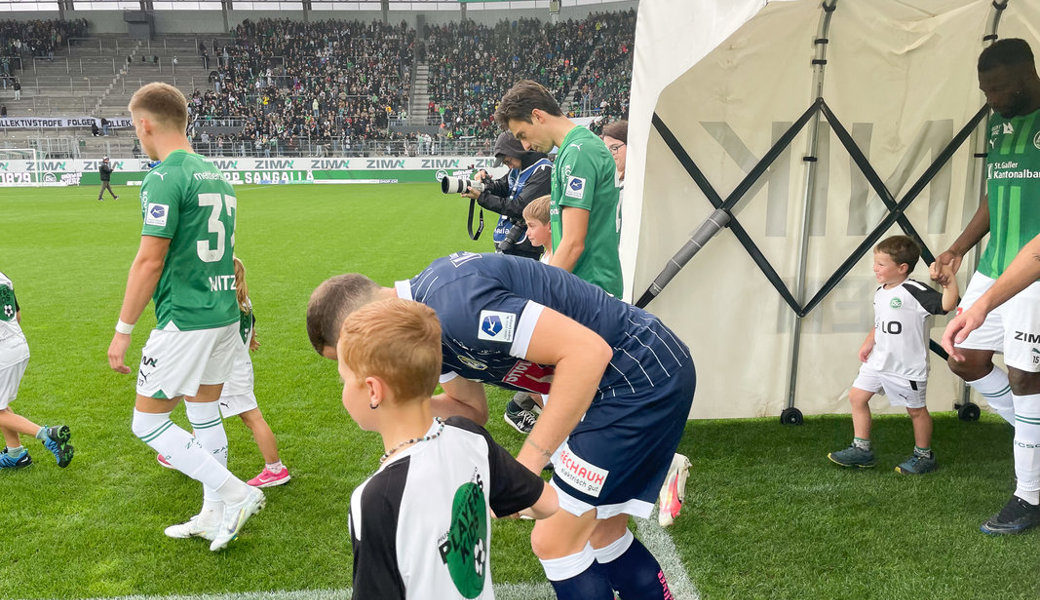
x=469, y=224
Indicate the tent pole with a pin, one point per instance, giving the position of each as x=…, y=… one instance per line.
x=978, y=144
x=790, y=414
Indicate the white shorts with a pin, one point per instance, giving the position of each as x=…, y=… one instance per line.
x=237, y=396
x=1012, y=328
x=176, y=363
x=900, y=391
x=10, y=379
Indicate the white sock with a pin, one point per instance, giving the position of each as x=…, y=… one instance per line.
x=1027, y=447
x=275, y=467
x=209, y=431
x=183, y=451
x=560, y=569
x=996, y=389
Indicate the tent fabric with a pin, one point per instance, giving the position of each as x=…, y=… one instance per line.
x=727, y=79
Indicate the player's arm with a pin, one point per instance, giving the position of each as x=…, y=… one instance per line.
x=1023, y=271
x=950, y=292
x=140, y=285
x=977, y=228
x=867, y=347
x=575, y=226
x=580, y=357
x=463, y=398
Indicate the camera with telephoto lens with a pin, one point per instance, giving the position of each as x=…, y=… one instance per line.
x=513, y=236
x=458, y=185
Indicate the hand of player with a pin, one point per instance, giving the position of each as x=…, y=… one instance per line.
x=864, y=351
x=117, y=353
x=947, y=260
x=254, y=343
x=958, y=328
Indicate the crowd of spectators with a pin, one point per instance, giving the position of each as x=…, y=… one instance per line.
x=472, y=65
x=323, y=80
x=21, y=40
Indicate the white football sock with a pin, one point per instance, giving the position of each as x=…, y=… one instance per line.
x=183, y=451
x=1027, y=447
x=209, y=431
x=996, y=389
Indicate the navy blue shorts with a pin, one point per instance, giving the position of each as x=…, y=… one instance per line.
x=617, y=457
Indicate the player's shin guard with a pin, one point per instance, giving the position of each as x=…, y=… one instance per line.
x=182, y=450
x=632, y=570
x=996, y=389
x=209, y=431
x=1027, y=447
x=578, y=577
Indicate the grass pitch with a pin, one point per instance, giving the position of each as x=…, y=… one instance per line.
x=767, y=516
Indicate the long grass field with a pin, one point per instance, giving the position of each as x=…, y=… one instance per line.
x=766, y=514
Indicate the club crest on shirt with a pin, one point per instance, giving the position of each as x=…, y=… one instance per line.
x=895, y=303
x=156, y=214
x=471, y=362
x=1036, y=140
x=496, y=326
x=575, y=187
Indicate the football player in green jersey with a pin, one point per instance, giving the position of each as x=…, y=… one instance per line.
x=184, y=263
x=584, y=210
x=1010, y=213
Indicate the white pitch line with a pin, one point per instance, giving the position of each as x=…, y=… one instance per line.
x=653, y=536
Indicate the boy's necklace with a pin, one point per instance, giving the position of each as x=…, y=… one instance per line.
x=425, y=438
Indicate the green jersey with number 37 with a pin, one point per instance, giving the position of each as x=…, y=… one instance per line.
x=187, y=200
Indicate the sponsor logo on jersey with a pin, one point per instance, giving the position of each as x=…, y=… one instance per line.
x=575, y=187
x=1025, y=336
x=156, y=214
x=497, y=326
x=471, y=362
x=149, y=361
x=464, y=547
x=994, y=131
x=895, y=303
x=530, y=376
x=579, y=473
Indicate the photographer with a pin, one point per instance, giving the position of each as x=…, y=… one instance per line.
x=528, y=178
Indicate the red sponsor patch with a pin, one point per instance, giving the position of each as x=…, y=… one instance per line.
x=530, y=376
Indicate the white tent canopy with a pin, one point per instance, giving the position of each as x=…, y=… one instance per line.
x=722, y=80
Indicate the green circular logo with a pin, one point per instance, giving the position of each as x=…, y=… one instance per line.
x=895, y=303
x=466, y=548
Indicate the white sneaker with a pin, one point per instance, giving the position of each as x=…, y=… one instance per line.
x=235, y=516
x=673, y=490
x=194, y=527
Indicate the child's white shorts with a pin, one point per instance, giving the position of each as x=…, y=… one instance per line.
x=900, y=391
x=237, y=396
x=10, y=379
x=176, y=363
x=1012, y=328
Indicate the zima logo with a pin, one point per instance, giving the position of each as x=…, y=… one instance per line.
x=1009, y=128
x=464, y=548
x=496, y=326
x=895, y=303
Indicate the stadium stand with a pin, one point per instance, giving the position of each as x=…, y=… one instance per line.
x=280, y=87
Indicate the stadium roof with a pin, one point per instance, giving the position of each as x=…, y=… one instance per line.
x=289, y=5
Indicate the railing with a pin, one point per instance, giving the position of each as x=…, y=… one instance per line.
x=76, y=65
x=113, y=45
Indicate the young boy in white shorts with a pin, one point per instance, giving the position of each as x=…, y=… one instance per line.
x=14, y=357
x=895, y=354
